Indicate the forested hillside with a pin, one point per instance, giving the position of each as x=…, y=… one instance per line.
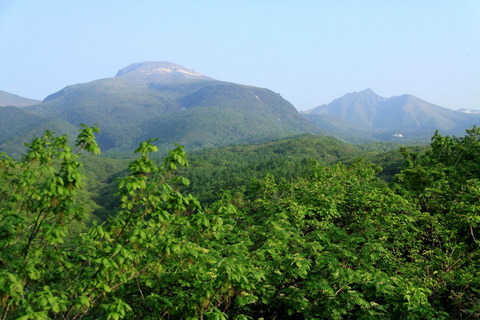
x=215, y=170
x=331, y=242
x=234, y=168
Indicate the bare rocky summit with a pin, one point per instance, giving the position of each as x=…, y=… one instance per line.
x=159, y=70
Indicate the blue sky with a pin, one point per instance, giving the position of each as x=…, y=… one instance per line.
x=310, y=52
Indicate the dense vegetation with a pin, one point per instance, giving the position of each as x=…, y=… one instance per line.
x=234, y=168
x=331, y=242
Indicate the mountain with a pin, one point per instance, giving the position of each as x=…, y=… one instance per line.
x=366, y=115
x=12, y=100
x=165, y=100
x=358, y=108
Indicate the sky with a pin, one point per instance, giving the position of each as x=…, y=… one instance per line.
x=309, y=51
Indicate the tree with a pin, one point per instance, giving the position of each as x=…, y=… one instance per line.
x=329, y=247
x=444, y=182
x=40, y=214
x=53, y=267
x=334, y=243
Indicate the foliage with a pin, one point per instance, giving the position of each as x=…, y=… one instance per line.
x=330, y=248
x=155, y=245
x=39, y=209
x=444, y=182
x=332, y=242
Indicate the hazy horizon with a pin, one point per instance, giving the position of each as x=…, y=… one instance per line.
x=310, y=52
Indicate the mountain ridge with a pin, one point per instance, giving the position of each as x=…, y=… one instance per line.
x=404, y=116
x=159, y=99
x=12, y=100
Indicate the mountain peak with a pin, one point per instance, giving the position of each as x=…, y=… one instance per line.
x=364, y=93
x=367, y=91
x=367, y=96
x=159, y=70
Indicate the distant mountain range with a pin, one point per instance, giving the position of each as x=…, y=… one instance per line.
x=365, y=115
x=178, y=105
x=12, y=100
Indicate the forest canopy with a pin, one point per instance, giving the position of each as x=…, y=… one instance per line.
x=333, y=243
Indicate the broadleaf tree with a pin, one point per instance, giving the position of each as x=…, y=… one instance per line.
x=334, y=243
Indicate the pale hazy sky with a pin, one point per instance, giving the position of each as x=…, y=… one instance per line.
x=310, y=52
